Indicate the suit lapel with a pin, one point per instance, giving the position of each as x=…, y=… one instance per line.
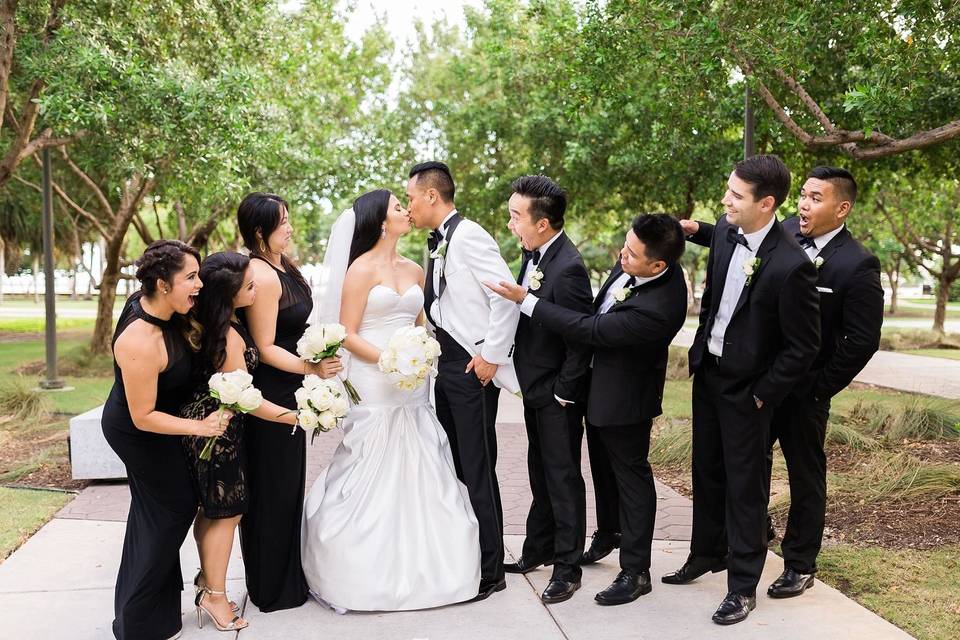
x=834, y=245
x=724, y=253
x=448, y=238
x=763, y=253
x=614, y=274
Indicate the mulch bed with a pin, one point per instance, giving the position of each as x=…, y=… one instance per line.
x=915, y=523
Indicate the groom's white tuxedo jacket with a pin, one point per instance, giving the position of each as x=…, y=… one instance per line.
x=479, y=320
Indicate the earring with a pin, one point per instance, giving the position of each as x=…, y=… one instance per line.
x=383, y=231
x=263, y=246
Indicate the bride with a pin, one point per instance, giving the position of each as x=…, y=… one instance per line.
x=387, y=526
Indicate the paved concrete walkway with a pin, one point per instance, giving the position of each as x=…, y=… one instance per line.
x=60, y=583
x=900, y=371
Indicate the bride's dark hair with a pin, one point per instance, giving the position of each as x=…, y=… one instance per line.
x=370, y=212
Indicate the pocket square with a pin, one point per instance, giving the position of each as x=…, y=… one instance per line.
x=824, y=289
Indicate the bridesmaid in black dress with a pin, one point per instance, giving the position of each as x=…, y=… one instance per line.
x=276, y=460
x=221, y=481
x=152, y=362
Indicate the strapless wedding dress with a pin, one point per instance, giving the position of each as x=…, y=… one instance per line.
x=387, y=526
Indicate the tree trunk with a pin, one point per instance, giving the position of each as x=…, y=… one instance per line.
x=894, y=278
x=3, y=265
x=35, y=269
x=943, y=296
x=103, y=329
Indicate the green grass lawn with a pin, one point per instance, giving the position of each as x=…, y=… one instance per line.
x=919, y=591
x=949, y=354
x=38, y=325
x=87, y=392
x=22, y=512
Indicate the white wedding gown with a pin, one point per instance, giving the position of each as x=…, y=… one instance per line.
x=387, y=526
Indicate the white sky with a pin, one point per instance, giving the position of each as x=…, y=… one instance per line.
x=400, y=15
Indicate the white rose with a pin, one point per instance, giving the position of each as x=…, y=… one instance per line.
x=239, y=377
x=303, y=397
x=534, y=284
x=333, y=334
x=327, y=420
x=312, y=381
x=748, y=267
x=339, y=406
x=250, y=399
x=307, y=419
x=320, y=398
x=227, y=392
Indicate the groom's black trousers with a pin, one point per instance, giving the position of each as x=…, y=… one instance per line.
x=800, y=425
x=556, y=522
x=468, y=412
x=730, y=444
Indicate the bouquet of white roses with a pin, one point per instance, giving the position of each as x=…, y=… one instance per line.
x=410, y=356
x=234, y=391
x=320, y=405
x=324, y=341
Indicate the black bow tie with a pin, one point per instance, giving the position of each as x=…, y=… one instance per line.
x=434, y=240
x=532, y=255
x=631, y=281
x=805, y=241
x=736, y=237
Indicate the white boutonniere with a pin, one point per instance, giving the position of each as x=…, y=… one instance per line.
x=622, y=294
x=535, y=279
x=750, y=266
x=440, y=251
x=818, y=262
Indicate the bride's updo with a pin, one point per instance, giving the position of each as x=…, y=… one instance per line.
x=370, y=212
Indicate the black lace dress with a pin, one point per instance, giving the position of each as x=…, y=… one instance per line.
x=277, y=470
x=162, y=498
x=221, y=481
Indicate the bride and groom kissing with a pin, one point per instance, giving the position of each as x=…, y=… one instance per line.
x=408, y=513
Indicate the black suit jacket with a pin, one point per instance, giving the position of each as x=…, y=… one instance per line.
x=851, y=313
x=548, y=364
x=774, y=333
x=630, y=346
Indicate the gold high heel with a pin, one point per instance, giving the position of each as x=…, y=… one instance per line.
x=197, y=589
x=236, y=624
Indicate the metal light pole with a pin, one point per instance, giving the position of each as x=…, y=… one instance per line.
x=748, y=148
x=50, y=293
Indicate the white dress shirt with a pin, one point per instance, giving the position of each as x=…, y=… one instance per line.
x=530, y=268
x=438, y=269
x=821, y=241
x=733, y=285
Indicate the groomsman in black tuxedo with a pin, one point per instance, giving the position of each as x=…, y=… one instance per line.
x=552, y=372
x=639, y=310
x=851, y=314
x=759, y=334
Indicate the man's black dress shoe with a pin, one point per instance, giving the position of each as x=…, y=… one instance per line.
x=693, y=568
x=559, y=591
x=734, y=608
x=489, y=587
x=525, y=566
x=627, y=587
x=601, y=545
x=790, y=583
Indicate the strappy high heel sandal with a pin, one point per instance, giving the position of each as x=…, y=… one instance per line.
x=236, y=624
x=197, y=589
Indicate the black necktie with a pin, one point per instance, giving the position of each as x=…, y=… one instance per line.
x=805, y=241
x=736, y=237
x=532, y=255
x=434, y=240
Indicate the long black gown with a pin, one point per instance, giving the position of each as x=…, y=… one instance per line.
x=276, y=471
x=163, y=502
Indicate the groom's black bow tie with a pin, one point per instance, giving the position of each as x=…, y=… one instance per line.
x=434, y=240
x=532, y=255
x=805, y=241
x=631, y=281
x=737, y=238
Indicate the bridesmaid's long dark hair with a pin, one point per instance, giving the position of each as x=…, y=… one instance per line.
x=222, y=276
x=263, y=212
x=370, y=212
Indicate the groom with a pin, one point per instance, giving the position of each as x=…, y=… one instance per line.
x=475, y=329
